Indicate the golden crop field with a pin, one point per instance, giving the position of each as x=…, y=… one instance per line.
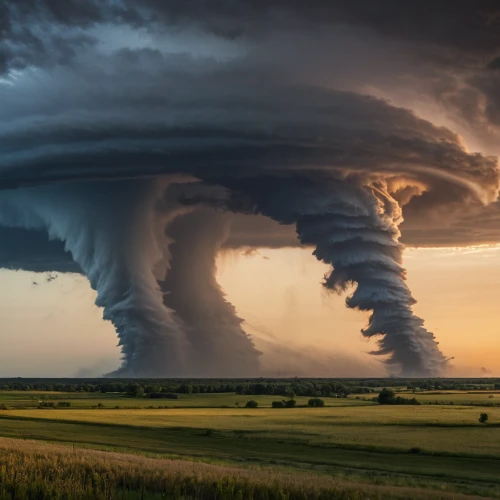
x=438, y=447
x=441, y=429
x=37, y=470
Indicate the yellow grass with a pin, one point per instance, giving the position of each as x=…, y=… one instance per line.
x=29, y=469
x=434, y=429
x=262, y=418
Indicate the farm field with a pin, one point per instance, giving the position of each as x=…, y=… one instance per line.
x=460, y=398
x=436, y=430
x=438, y=447
x=31, y=399
x=42, y=471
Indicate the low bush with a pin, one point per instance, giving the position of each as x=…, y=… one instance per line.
x=291, y=403
x=317, y=402
x=46, y=404
x=388, y=397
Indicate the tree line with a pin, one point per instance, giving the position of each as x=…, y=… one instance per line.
x=280, y=387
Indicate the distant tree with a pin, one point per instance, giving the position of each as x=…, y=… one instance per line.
x=291, y=403
x=241, y=389
x=386, y=397
x=260, y=389
x=251, y=404
x=278, y=404
x=135, y=390
x=483, y=418
x=185, y=389
x=317, y=402
x=271, y=389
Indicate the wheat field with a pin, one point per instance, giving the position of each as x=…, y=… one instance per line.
x=32, y=470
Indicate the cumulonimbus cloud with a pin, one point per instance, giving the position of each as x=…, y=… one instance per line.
x=92, y=135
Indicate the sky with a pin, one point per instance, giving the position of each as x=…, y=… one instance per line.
x=245, y=188
x=277, y=292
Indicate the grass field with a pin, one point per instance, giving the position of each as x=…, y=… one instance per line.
x=433, y=429
x=30, y=399
x=358, y=442
x=458, y=398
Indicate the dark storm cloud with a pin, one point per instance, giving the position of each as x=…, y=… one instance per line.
x=467, y=27
x=262, y=108
x=463, y=25
x=203, y=117
x=32, y=251
x=460, y=23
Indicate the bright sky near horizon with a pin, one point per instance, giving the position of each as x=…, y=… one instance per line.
x=54, y=329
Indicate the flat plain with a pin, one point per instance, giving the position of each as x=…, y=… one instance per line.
x=434, y=449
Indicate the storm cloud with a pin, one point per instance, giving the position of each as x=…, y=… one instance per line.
x=130, y=132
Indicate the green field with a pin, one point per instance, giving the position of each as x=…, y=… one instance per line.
x=30, y=399
x=459, y=398
x=438, y=447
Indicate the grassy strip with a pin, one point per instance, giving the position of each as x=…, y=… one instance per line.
x=270, y=436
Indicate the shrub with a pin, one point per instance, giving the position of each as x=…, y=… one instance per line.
x=135, y=390
x=317, y=402
x=251, y=404
x=388, y=397
x=291, y=403
x=100, y=405
x=46, y=404
x=64, y=404
x=483, y=418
